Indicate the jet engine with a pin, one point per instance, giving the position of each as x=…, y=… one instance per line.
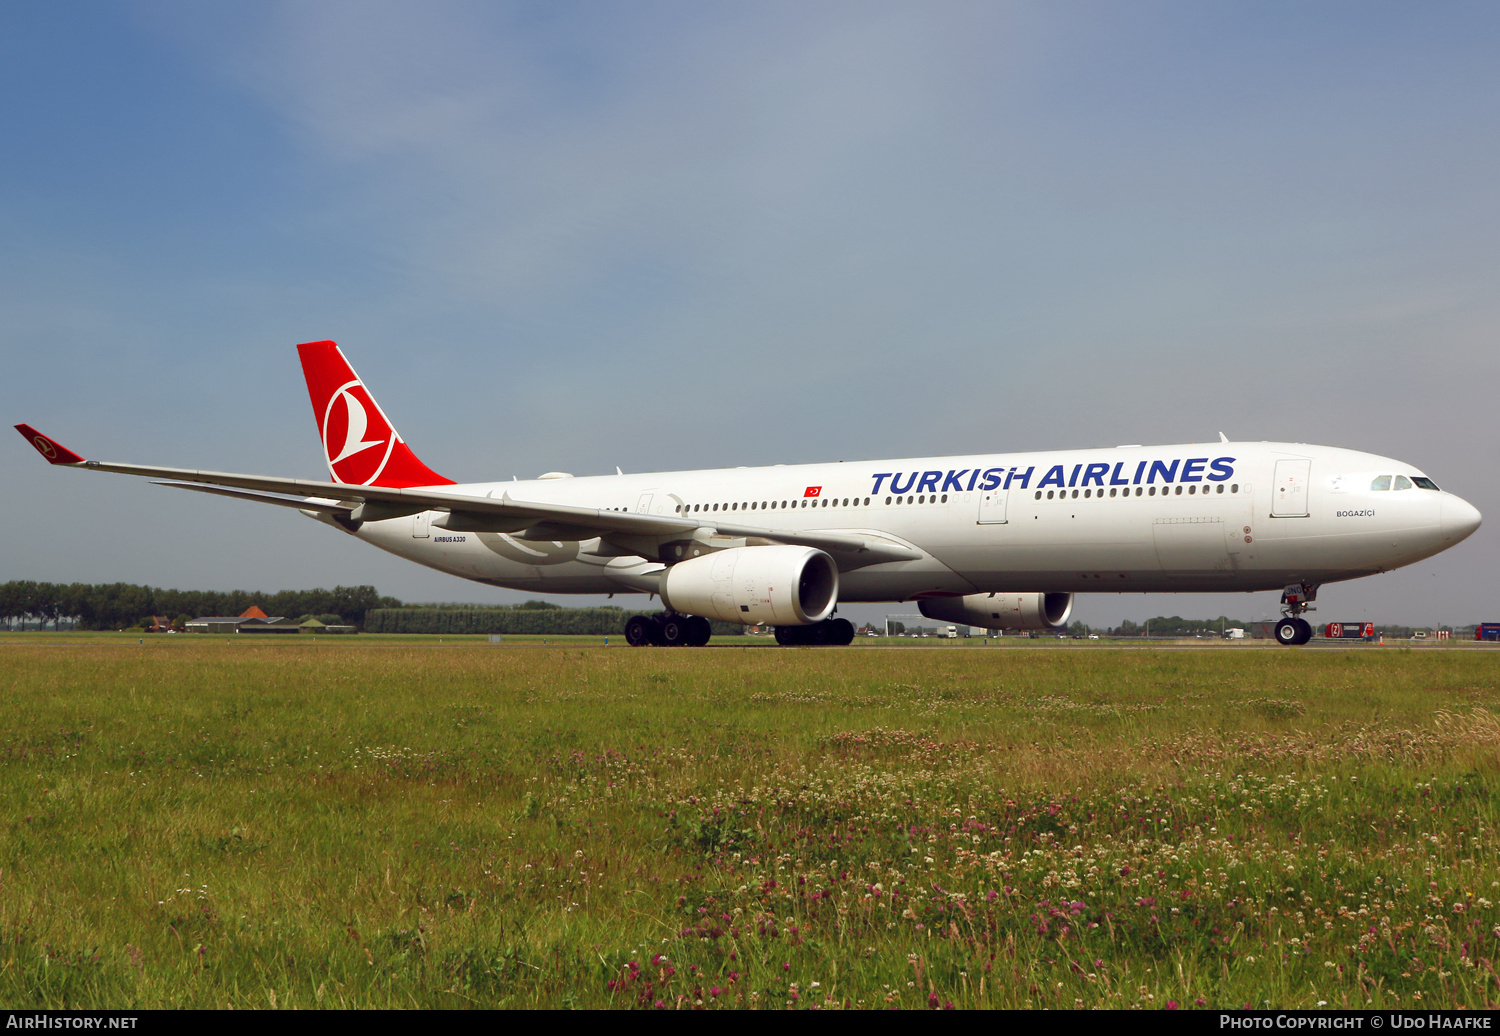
x=1001, y=611
x=780, y=585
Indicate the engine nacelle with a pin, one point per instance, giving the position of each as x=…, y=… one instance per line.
x=1001, y=611
x=779, y=585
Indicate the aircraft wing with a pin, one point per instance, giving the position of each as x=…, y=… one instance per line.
x=476, y=514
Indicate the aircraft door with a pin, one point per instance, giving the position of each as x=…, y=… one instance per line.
x=1192, y=547
x=992, y=507
x=1289, y=491
x=654, y=501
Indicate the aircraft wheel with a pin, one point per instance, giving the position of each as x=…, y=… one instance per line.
x=638, y=631
x=791, y=636
x=840, y=631
x=1304, y=631
x=674, y=631
x=699, y=631
x=1287, y=632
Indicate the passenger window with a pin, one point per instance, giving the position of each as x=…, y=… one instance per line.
x=1219, y=489
x=1075, y=494
x=1381, y=484
x=1235, y=488
x=1152, y=491
x=1049, y=494
x=944, y=500
x=1402, y=482
x=1192, y=490
x=887, y=501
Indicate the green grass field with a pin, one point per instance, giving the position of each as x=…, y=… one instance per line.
x=394, y=822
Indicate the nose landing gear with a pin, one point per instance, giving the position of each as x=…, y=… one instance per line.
x=1293, y=629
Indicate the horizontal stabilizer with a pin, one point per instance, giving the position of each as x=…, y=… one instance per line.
x=300, y=503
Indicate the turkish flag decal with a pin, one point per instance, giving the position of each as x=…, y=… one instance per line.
x=813, y=491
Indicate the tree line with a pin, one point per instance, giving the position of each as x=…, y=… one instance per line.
x=109, y=606
x=112, y=606
x=533, y=617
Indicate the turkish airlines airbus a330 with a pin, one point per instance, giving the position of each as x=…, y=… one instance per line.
x=989, y=540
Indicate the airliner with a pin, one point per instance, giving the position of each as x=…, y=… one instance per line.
x=998, y=541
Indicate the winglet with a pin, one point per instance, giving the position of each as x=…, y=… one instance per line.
x=55, y=452
x=361, y=445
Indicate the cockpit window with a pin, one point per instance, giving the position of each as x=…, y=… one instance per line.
x=1381, y=484
x=1424, y=483
x=1402, y=482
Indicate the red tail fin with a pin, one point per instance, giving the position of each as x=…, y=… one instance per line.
x=361, y=445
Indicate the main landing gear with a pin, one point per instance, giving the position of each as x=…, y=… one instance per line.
x=835, y=632
x=667, y=629
x=1293, y=629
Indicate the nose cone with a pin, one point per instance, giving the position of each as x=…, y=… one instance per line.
x=1460, y=518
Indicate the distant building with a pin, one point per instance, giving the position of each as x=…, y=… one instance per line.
x=253, y=620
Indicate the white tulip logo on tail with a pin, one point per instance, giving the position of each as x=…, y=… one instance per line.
x=351, y=431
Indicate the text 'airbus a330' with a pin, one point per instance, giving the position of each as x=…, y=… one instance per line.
x=998, y=541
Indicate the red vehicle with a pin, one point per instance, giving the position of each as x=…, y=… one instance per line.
x=1350, y=631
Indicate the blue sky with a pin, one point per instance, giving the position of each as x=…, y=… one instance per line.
x=570, y=236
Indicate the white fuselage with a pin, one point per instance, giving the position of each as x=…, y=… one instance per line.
x=1208, y=517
